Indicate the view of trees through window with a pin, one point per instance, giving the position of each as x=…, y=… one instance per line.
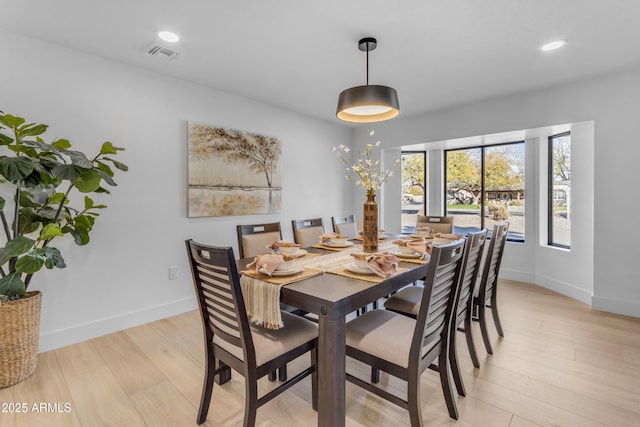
x=485, y=186
x=413, y=188
x=560, y=190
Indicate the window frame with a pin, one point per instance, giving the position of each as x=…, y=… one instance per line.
x=482, y=182
x=550, y=191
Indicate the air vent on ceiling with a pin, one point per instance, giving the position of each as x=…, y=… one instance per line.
x=162, y=52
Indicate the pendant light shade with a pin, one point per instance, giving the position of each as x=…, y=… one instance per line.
x=369, y=103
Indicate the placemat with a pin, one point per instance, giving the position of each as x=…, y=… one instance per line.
x=413, y=260
x=306, y=256
x=341, y=271
x=284, y=280
x=332, y=248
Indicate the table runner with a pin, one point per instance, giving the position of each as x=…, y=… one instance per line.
x=262, y=293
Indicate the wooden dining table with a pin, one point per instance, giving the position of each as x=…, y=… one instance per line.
x=331, y=297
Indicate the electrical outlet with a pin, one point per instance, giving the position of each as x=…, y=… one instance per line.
x=173, y=272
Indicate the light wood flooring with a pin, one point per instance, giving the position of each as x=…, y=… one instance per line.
x=560, y=364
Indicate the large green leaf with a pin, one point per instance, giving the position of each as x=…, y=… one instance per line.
x=32, y=129
x=88, y=182
x=117, y=164
x=80, y=236
x=79, y=159
x=109, y=148
x=15, y=168
x=15, y=247
x=50, y=231
x=61, y=144
x=53, y=258
x=30, y=262
x=106, y=178
x=5, y=140
x=69, y=172
x=84, y=222
x=11, y=121
x=105, y=167
x=12, y=284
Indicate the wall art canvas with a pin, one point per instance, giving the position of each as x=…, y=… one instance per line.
x=232, y=172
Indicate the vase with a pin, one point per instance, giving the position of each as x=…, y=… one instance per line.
x=370, y=225
x=19, y=335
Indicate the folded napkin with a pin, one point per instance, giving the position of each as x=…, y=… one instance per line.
x=275, y=246
x=448, y=236
x=421, y=246
x=266, y=263
x=383, y=264
x=326, y=237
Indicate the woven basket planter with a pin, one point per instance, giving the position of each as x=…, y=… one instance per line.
x=19, y=334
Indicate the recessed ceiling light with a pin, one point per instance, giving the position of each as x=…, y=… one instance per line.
x=168, y=36
x=553, y=45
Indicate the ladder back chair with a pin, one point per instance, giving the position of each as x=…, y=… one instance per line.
x=440, y=224
x=345, y=225
x=406, y=347
x=253, y=239
x=307, y=232
x=231, y=342
x=486, y=289
x=407, y=302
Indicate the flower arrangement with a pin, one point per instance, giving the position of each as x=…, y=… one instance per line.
x=366, y=172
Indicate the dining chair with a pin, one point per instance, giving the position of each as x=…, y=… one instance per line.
x=404, y=347
x=232, y=342
x=440, y=224
x=253, y=239
x=407, y=302
x=307, y=232
x=345, y=225
x=485, y=294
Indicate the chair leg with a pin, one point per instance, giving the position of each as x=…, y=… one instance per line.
x=482, y=318
x=455, y=368
x=314, y=379
x=445, y=381
x=273, y=375
x=250, y=400
x=207, y=387
x=224, y=374
x=496, y=317
x=282, y=373
x=413, y=401
x=470, y=344
x=375, y=375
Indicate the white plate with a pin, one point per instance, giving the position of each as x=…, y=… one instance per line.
x=405, y=255
x=416, y=236
x=354, y=269
x=280, y=273
x=333, y=245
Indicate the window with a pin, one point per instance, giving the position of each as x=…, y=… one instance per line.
x=413, y=188
x=560, y=190
x=485, y=186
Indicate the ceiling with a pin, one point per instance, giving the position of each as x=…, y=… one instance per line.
x=298, y=55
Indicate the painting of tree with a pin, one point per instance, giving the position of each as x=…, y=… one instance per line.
x=232, y=172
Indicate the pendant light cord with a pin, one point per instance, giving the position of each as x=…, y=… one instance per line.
x=367, y=63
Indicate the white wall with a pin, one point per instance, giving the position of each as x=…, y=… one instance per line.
x=121, y=278
x=603, y=247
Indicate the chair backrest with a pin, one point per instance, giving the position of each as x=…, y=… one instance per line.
x=222, y=309
x=436, y=308
x=254, y=238
x=473, y=251
x=307, y=232
x=441, y=224
x=492, y=260
x=345, y=225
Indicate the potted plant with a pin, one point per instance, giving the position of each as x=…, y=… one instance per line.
x=41, y=189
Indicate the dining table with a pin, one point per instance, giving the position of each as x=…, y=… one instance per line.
x=332, y=297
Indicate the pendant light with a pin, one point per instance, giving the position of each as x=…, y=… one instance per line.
x=369, y=103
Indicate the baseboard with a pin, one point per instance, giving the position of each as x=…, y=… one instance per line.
x=63, y=337
x=517, y=275
x=627, y=308
x=564, y=288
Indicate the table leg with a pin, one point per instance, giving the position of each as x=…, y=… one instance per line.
x=331, y=368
